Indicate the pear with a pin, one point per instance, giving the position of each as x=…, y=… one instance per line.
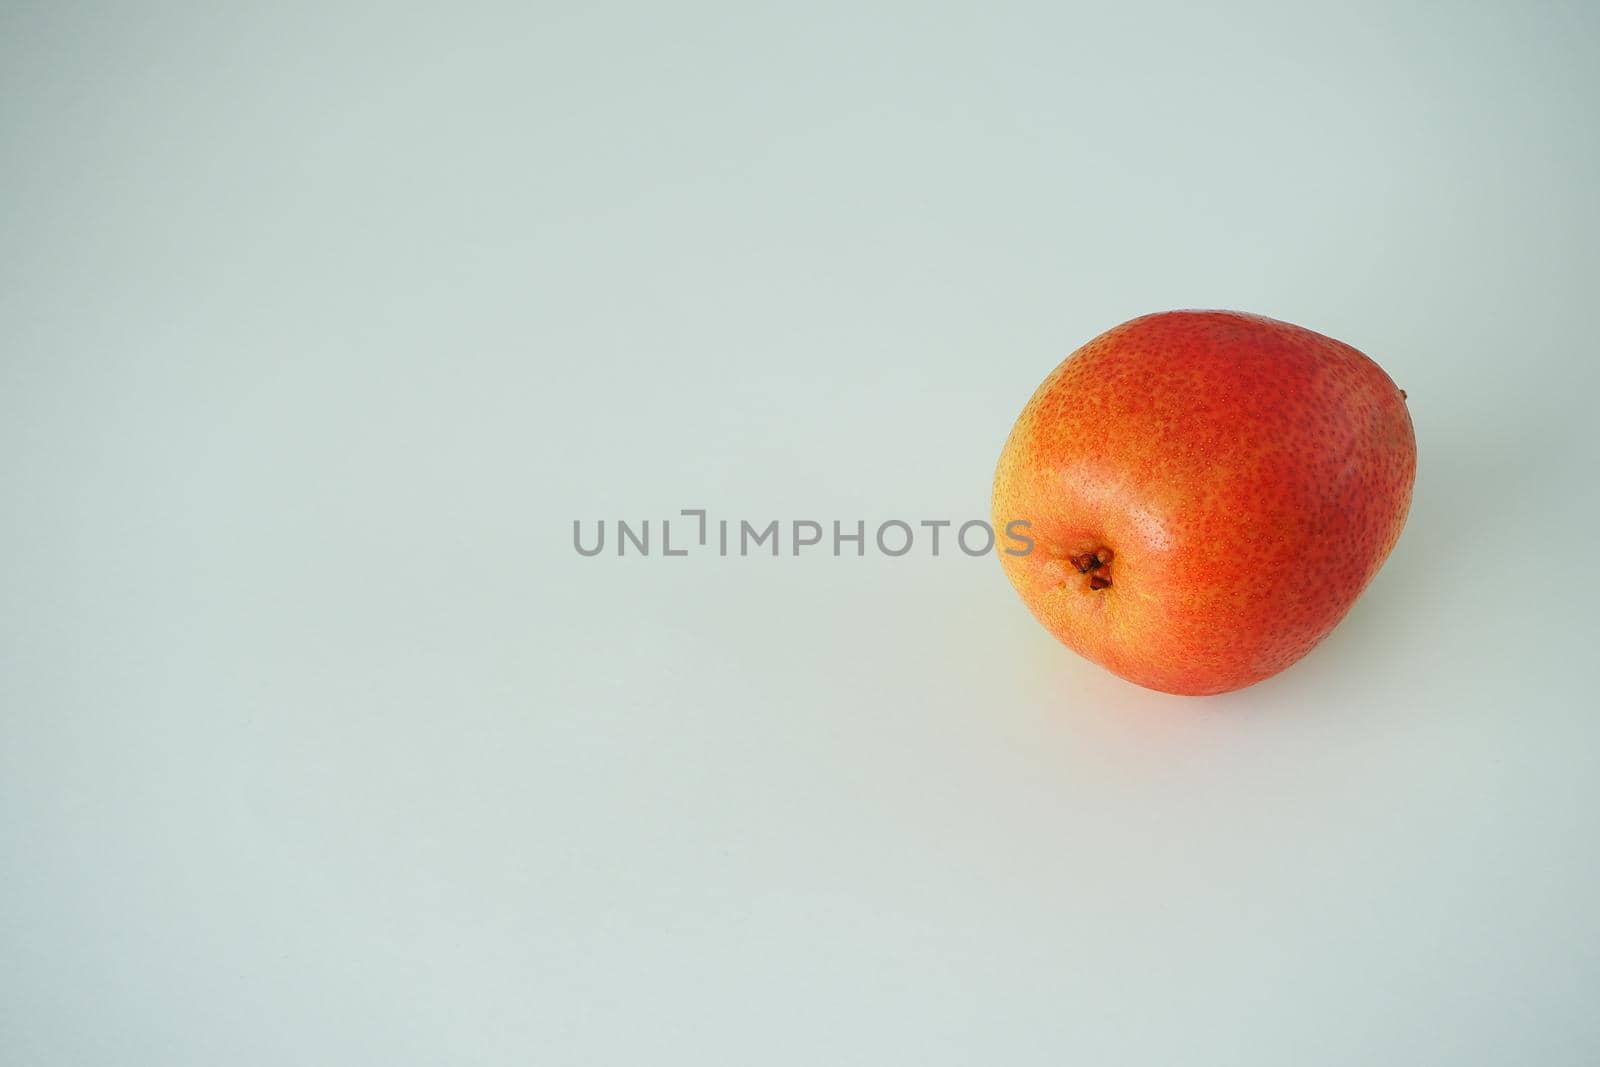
x=1206, y=493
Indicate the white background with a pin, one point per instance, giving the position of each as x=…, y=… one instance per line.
x=319, y=744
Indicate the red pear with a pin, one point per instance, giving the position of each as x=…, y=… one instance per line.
x=1207, y=493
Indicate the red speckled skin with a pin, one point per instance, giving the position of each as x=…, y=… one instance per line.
x=1250, y=477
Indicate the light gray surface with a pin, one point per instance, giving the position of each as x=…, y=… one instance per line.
x=319, y=744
